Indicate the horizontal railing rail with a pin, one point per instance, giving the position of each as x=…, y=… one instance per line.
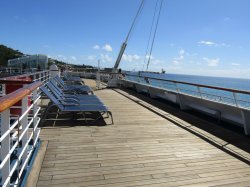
x=15, y=81
x=25, y=75
x=9, y=100
x=19, y=133
x=232, y=97
x=194, y=84
x=19, y=80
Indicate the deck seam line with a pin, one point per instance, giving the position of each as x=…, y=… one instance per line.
x=217, y=145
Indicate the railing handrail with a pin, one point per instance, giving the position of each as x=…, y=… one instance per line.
x=23, y=75
x=194, y=84
x=15, y=81
x=10, y=99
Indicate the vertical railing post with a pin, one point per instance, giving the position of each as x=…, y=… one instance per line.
x=199, y=91
x=44, y=76
x=35, y=118
x=220, y=98
x=149, y=82
x=177, y=88
x=34, y=77
x=48, y=75
x=146, y=80
x=24, y=124
x=235, y=99
x=40, y=76
x=161, y=84
x=2, y=90
x=5, y=145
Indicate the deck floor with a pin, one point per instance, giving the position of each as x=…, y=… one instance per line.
x=142, y=148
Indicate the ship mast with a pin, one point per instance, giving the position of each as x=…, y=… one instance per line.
x=124, y=44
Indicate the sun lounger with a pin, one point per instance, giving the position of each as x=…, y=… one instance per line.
x=65, y=106
x=81, y=89
x=65, y=86
x=62, y=93
x=82, y=99
x=68, y=77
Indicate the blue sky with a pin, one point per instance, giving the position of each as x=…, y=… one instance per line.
x=200, y=37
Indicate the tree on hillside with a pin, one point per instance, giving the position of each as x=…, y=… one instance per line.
x=7, y=53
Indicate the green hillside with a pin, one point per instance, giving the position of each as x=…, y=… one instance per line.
x=7, y=53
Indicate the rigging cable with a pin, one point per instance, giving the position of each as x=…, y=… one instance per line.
x=124, y=44
x=156, y=26
x=151, y=29
x=136, y=16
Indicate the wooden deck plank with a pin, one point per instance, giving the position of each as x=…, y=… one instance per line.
x=142, y=148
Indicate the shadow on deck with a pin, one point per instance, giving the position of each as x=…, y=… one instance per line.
x=150, y=144
x=228, y=134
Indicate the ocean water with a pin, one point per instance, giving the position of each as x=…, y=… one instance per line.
x=242, y=100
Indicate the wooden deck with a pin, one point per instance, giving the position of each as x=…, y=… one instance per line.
x=146, y=146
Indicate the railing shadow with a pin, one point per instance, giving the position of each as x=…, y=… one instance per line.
x=227, y=133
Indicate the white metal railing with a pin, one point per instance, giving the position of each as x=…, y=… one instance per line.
x=238, y=98
x=19, y=133
x=42, y=76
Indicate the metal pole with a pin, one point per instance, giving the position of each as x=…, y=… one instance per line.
x=235, y=99
x=199, y=91
x=5, y=145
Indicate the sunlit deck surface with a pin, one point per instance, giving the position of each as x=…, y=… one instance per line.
x=146, y=146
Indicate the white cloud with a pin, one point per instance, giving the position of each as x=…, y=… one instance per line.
x=107, y=48
x=178, y=60
x=130, y=58
x=96, y=47
x=61, y=57
x=157, y=62
x=91, y=57
x=211, y=43
x=191, y=54
x=208, y=43
x=212, y=62
x=73, y=58
x=182, y=52
x=106, y=58
x=151, y=57
x=235, y=64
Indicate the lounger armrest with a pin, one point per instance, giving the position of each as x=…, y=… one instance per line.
x=70, y=100
x=73, y=90
x=72, y=96
x=69, y=104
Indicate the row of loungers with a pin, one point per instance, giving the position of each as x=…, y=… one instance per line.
x=68, y=77
x=74, y=99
